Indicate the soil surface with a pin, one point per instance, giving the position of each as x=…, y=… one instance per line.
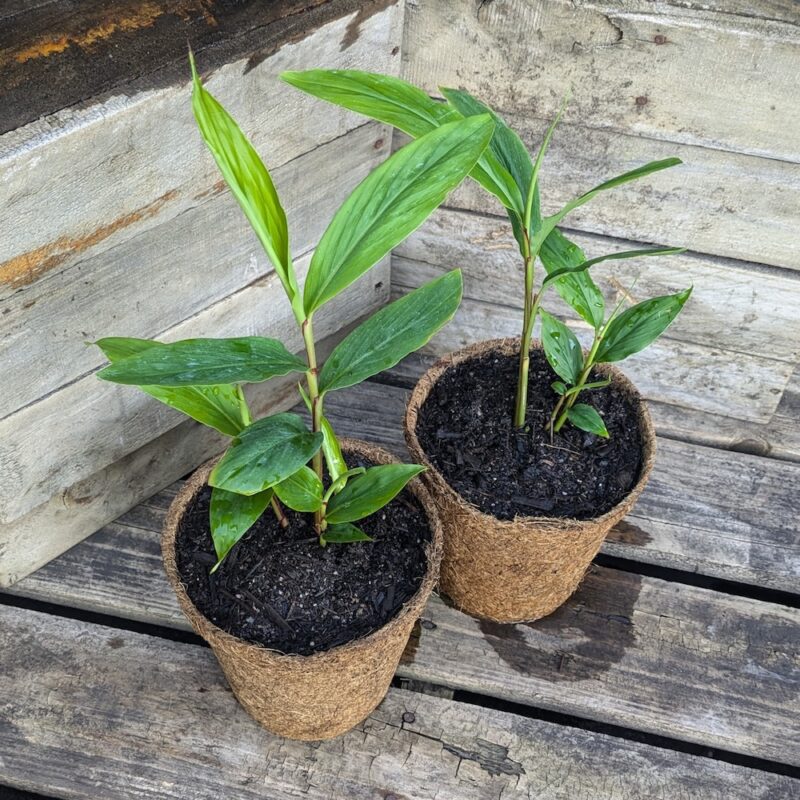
x=466, y=429
x=280, y=589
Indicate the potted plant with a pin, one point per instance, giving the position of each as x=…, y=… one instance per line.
x=534, y=451
x=302, y=559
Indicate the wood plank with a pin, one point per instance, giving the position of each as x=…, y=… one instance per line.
x=671, y=71
x=80, y=508
x=149, y=283
x=659, y=657
x=93, y=711
x=733, y=304
x=62, y=174
x=726, y=204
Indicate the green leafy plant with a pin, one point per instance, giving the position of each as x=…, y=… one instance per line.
x=507, y=170
x=267, y=462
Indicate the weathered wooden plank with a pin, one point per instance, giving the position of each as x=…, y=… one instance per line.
x=726, y=204
x=62, y=175
x=665, y=658
x=168, y=273
x=93, y=711
x=73, y=512
x=671, y=71
x=734, y=304
x=697, y=377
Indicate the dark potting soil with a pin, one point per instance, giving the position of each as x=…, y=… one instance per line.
x=466, y=429
x=279, y=588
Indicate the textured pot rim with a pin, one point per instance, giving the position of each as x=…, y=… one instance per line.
x=414, y=605
x=510, y=346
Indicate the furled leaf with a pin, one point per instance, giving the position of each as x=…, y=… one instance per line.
x=562, y=349
x=392, y=333
x=301, y=491
x=340, y=482
x=505, y=146
x=587, y=419
x=232, y=515
x=221, y=407
x=390, y=203
x=578, y=290
x=367, y=493
x=248, y=179
x=344, y=533
x=638, y=326
x=395, y=102
x=205, y=362
x=652, y=251
x=265, y=453
x=330, y=444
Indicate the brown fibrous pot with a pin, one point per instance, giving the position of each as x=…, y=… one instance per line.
x=522, y=569
x=321, y=695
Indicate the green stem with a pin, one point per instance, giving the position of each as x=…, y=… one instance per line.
x=316, y=407
x=531, y=303
x=582, y=380
x=278, y=509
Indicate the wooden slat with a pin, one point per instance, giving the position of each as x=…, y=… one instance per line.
x=722, y=75
x=168, y=273
x=62, y=175
x=98, y=497
x=94, y=711
x=660, y=657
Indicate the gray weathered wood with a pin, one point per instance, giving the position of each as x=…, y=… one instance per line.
x=62, y=175
x=661, y=657
x=81, y=507
x=94, y=711
x=170, y=272
x=722, y=75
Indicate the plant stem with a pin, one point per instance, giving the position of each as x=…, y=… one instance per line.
x=582, y=380
x=531, y=305
x=316, y=407
x=278, y=509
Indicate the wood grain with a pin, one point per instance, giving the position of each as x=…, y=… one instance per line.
x=170, y=272
x=719, y=75
x=93, y=711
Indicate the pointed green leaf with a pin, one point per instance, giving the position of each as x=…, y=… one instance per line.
x=578, y=290
x=587, y=419
x=205, y=362
x=392, y=333
x=344, y=533
x=232, y=515
x=248, y=179
x=265, y=453
x=532, y=211
x=221, y=407
x=558, y=387
x=390, y=203
x=638, y=326
x=330, y=444
x=367, y=493
x=340, y=482
x=395, y=102
x=301, y=491
x=562, y=349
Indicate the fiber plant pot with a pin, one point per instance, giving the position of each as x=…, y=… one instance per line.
x=322, y=695
x=522, y=569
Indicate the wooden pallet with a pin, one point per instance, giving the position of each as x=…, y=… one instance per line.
x=648, y=683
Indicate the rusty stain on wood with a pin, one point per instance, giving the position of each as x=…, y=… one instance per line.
x=28, y=267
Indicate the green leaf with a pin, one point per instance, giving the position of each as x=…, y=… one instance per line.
x=205, y=362
x=392, y=333
x=221, y=407
x=626, y=177
x=367, y=493
x=653, y=251
x=248, y=179
x=593, y=385
x=344, y=533
x=578, y=290
x=638, y=326
x=395, y=102
x=587, y=419
x=558, y=387
x=265, y=453
x=330, y=444
x=232, y=515
x=301, y=491
x=532, y=209
x=340, y=482
x=562, y=349
x=505, y=146
x=390, y=203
